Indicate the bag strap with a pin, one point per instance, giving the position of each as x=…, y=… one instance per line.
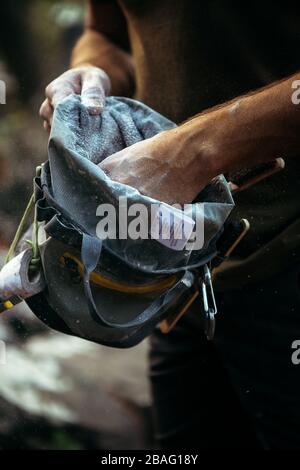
x=90, y=254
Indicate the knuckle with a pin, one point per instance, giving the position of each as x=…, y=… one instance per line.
x=42, y=112
x=95, y=92
x=50, y=89
x=94, y=74
x=43, y=109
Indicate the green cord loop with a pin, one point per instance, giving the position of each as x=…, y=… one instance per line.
x=34, y=264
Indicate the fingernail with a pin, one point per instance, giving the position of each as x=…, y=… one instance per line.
x=94, y=110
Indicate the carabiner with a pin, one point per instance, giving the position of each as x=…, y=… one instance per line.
x=209, y=303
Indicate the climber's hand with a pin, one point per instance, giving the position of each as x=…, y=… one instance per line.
x=91, y=82
x=160, y=167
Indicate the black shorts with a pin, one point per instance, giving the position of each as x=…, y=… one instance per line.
x=240, y=391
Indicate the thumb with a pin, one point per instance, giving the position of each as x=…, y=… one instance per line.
x=95, y=85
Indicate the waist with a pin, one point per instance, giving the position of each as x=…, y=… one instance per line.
x=274, y=257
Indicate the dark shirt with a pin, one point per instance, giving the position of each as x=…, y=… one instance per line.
x=191, y=55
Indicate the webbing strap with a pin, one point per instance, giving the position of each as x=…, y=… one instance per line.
x=90, y=253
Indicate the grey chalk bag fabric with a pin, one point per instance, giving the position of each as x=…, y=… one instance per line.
x=110, y=291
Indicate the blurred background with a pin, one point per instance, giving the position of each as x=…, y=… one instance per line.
x=56, y=392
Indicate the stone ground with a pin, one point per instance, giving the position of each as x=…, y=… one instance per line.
x=58, y=391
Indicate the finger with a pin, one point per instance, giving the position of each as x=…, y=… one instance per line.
x=59, y=95
x=95, y=85
x=46, y=110
x=58, y=91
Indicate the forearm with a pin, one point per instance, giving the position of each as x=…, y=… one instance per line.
x=96, y=49
x=104, y=44
x=247, y=131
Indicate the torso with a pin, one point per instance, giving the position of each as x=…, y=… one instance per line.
x=191, y=55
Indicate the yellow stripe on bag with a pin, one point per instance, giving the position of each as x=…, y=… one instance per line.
x=99, y=279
